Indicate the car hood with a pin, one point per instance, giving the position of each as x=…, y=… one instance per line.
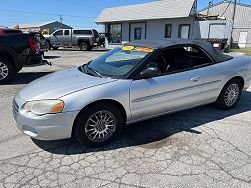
x=58, y=84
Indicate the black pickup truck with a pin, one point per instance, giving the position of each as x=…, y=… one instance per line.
x=16, y=50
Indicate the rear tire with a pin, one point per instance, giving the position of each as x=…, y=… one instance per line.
x=99, y=125
x=83, y=46
x=230, y=95
x=7, y=70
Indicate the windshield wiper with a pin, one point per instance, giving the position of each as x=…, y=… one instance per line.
x=94, y=71
x=91, y=70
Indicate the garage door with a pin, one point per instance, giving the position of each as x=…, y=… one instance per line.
x=217, y=31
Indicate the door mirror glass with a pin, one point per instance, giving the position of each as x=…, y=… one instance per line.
x=150, y=72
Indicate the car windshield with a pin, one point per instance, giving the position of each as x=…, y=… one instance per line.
x=118, y=62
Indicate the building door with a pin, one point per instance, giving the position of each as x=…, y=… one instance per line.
x=137, y=31
x=243, y=39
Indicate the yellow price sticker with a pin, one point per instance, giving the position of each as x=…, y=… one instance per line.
x=127, y=48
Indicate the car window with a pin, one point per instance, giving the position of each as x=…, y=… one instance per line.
x=58, y=33
x=66, y=32
x=180, y=59
x=96, y=34
x=82, y=32
x=120, y=61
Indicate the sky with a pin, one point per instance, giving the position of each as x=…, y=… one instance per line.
x=76, y=13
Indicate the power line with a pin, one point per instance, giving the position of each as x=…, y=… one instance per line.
x=44, y=13
x=78, y=4
x=28, y=12
x=226, y=8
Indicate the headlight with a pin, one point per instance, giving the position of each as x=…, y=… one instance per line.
x=44, y=107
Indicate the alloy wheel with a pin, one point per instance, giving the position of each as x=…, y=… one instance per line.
x=231, y=95
x=83, y=46
x=4, y=71
x=100, y=126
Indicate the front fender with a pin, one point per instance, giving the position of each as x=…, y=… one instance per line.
x=117, y=91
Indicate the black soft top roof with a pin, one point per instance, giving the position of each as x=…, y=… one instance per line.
x=160, y=44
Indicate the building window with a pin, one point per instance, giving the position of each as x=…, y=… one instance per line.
x=115, y=33
x=184, y=31
x=168, y=30
x=137, y=33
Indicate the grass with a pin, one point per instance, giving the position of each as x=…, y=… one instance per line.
x=246, y=51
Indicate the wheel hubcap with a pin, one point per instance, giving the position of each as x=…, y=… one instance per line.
x=83, y=46
x=100, y=126
x=231, y=95
x=3, y=71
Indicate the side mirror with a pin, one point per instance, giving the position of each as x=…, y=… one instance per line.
x=150, y=72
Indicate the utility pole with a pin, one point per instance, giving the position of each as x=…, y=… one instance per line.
x=232, y=27
x=209, y=6
x=61, y=21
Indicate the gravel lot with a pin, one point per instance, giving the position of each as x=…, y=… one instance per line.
x=202, y=147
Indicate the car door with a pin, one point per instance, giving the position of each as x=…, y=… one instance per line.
x=214, y=74
x=67, y=38
x=172, y=91
x=57, y=39
x=159, y=95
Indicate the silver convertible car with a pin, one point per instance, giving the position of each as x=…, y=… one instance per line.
x=138, y=81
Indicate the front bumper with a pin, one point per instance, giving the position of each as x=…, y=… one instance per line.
x=46, y=127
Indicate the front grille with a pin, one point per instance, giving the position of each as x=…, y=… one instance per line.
x=15, y=109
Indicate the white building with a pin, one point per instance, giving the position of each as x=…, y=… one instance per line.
x=161, y=19
x=242, y=23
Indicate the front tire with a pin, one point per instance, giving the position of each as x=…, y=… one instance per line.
x=55, y=48
x=7, y=70
x=19, y=68
x=99, y=125
x=230, y=95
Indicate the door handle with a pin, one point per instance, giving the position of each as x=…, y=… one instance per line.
x=195, y=79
